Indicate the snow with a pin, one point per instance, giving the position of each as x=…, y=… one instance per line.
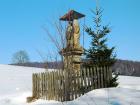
x=129, y=82
x=16, y=84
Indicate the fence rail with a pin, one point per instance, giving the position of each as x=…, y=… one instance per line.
x=61, y=86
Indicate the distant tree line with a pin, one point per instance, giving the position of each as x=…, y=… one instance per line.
x=126, y=67
x=46, y=65
x=122, y=67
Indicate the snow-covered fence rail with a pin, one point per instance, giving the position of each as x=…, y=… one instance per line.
x=61, y=86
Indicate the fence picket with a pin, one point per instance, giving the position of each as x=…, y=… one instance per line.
x=85, y=81
x=88, y=79
x=78, y=84
x=47, y=81
x=92, y=78
x=101, y=74
x=108, y=78
x=104, y=76
x=33, y=85
x=96, y=77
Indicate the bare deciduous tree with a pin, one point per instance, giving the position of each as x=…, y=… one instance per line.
x=57, y=39
x=20, y=57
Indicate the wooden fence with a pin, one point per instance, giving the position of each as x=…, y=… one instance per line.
x=61, y=86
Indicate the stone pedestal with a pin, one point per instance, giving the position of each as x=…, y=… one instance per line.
x=72, y=59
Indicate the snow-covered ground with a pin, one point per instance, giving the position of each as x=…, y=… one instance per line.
x=16, y=84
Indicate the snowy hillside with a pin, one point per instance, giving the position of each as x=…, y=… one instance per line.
x=16, y=85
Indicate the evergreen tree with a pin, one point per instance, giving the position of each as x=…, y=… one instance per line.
x=99, y=54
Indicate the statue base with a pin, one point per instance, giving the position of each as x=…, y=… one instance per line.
x=72, y=58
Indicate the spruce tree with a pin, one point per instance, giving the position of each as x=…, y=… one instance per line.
x=99, y=54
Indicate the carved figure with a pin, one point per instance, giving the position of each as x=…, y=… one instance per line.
x=69, y=34
x=76, y=33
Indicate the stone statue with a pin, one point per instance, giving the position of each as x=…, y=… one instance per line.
x=69, y=35
x=76, y=33
x=73, y=34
